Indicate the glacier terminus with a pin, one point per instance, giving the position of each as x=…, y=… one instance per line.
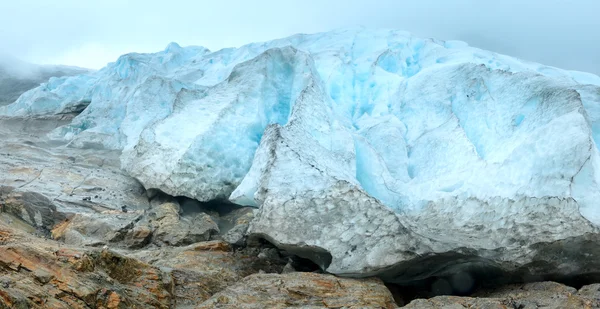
x=370, y=152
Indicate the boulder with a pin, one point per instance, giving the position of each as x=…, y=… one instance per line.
x=302, y=290
x=548, y=295
x=32, y=207
x=171, y=228
x=203, y=269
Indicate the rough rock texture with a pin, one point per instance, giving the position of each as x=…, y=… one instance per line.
x=72, y=179
x=237, y=235
x=170, y=227
x=32, y=207
x=43, y=274
x=234, y=225
x=203, y=269
x=93, y=230
x=547, y=295
x=302, y=290
x=81, y=191
x=82, y=196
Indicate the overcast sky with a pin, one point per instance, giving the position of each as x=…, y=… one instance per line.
x=90, y=33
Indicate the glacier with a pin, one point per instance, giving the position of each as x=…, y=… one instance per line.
x=363, y=150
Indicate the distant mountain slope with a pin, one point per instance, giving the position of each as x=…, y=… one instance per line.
x=17, y=76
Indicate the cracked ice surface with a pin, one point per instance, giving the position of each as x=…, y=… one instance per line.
x=410, y=121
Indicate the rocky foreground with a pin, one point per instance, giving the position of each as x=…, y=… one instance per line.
x=75, y=232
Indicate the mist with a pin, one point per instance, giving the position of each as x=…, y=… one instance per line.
x=17, y=76
x=90, y=34
x=15, y=68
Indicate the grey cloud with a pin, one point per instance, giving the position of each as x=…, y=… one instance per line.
x=564, y=34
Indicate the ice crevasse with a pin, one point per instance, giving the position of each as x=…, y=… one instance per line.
x=373, y=146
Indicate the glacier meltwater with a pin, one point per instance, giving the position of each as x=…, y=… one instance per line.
x=367, y=148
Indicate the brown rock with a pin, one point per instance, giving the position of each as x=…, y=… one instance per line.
x=95, y=229
x=114, y=301
x=302, y=290
x=60, y=229
x=454, y=302
x=214, y=245
x=108, y=299
x=138, y=237
x=591, y=291
x=36, y=273
x=547, y=295
x=134, y=273
x=172, y=229
x=202, y=269
x=4, y=237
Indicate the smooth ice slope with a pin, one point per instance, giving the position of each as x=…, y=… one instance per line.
x=380, y=146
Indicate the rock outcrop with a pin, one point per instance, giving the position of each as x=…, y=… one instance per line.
x=40, y=273
x=43, y=273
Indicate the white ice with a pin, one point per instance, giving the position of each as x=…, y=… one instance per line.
x=408, y=120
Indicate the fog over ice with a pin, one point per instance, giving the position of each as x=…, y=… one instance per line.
x=91, y=33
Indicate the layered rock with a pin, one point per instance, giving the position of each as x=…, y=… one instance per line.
x=42, y=274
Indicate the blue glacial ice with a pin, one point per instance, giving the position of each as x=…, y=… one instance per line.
x=408, y=120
